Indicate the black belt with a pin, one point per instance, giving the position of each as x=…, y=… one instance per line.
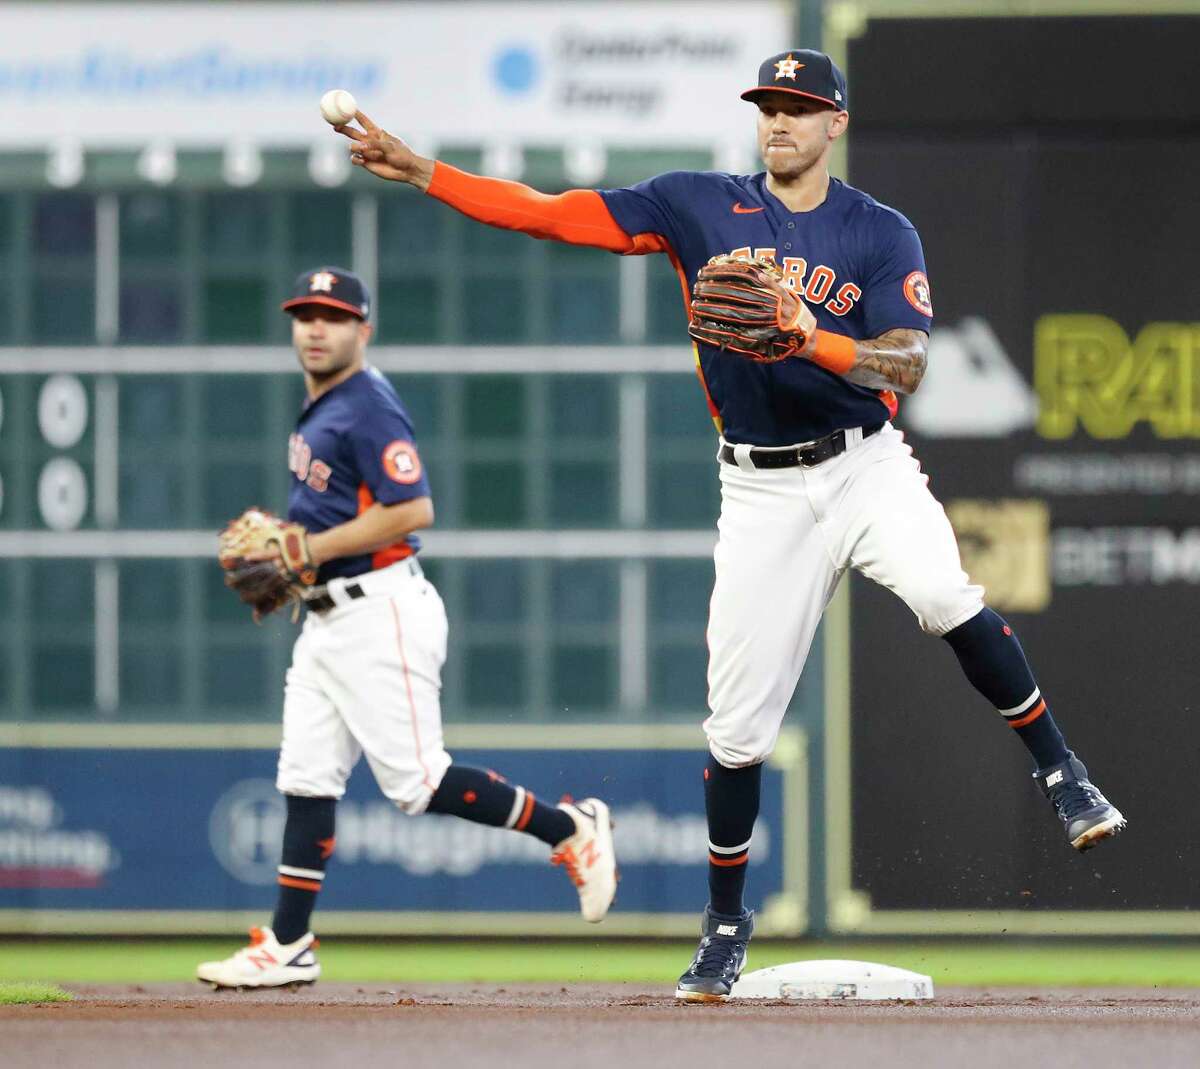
x=808, y=455
x=322, y=602
x=319, y=600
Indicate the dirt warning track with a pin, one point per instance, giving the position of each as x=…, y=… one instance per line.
x=614, y=1026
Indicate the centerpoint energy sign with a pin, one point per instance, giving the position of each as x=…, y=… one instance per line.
x=197, y=74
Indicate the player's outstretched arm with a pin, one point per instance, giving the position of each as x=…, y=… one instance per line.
x=893, y=361
x=577, y=217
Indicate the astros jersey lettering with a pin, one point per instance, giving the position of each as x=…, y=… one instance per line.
x=858, y=264
x=354, y=446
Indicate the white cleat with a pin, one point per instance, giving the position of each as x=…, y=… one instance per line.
x=264, y=963
x=589, y=858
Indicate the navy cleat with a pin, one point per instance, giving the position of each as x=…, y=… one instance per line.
x=1086, y=814
x=719, y=959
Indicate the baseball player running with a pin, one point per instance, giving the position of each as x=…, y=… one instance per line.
x=813, y=316
x=365, y=675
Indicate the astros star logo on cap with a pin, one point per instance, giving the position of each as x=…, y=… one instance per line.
x=787, y=68
x=322, y=281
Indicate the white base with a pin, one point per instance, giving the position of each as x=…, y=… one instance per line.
x=833, y=979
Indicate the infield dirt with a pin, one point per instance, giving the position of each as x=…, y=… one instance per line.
x=627, y=1026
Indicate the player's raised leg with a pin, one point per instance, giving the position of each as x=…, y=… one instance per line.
x=903, y=539
x=579, y=834
x=773, y=580
x=391, y=701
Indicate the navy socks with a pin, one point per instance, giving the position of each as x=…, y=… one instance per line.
x=307, y=847
x=731, y=802
x=484, y=797
x=992, y=659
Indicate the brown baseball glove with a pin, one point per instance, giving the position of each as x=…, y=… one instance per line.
x=266, y=561
x=743, y=306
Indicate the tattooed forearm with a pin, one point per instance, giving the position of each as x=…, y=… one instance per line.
x=893, y=361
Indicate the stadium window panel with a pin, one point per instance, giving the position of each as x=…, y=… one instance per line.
x=63, y=675
x=410, y=226
x=236, y=309
x=583, y=493
x=583, y=679
x=8, y=298
x=236, y=224
x=494, y=407
x=233, y=409
x=152, y=494
x=496, y=677
x=151, y=226
x=583, y=407
x=496, y=309
x=677, y=678
x=679, y=591
x=64, y=225
x=151, y=594
x=666, y=319
x=676, y=410
x=64, y=307
x=408, y=310
x=151, y=311
x=584, y=592
x=229, y=487
x=64, y=268
x=62, y=593
x=151, y=676
x=584, y=309
x=8, y=205
x=235, y=674
x=151, y=411
x=495, y=494
x=319, y=229
x=683, y=494
x=495, y=592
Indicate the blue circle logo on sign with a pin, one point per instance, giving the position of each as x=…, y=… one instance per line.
x=515, y=69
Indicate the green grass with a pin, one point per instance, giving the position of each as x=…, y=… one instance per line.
x=16, y=994
x=1025, y=964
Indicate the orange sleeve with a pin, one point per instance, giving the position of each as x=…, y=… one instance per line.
x=578, y=216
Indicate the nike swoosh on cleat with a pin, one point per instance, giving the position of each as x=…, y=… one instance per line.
x=741, y=209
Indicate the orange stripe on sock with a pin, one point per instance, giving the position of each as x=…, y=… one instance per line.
x=304, y=885
x=527, y=812
x=1030, y=716
x=727, y=863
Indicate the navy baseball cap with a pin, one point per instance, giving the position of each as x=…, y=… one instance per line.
x=805, y=73
x=332, y=286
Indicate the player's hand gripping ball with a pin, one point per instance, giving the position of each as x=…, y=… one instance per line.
x=267, y=561
x=743, y=306
x=338, y=107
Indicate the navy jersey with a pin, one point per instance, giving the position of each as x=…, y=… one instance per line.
x=354, y=446
x=857, y=263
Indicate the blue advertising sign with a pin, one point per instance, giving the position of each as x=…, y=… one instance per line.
x=192, y=833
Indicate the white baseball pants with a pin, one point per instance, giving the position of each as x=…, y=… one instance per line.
x=366, y=677
x=785, y=537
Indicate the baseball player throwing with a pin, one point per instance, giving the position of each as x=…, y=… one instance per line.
x=366, y=670
x=810, y=309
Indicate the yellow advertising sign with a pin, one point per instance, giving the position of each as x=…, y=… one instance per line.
x=1088, y=375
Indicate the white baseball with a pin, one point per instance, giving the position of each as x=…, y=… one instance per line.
x=338, y=107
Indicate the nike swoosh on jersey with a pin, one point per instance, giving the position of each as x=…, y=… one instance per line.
x=741, y=209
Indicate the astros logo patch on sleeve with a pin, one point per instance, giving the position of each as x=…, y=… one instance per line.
x=916, y=290
x=401, y=462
